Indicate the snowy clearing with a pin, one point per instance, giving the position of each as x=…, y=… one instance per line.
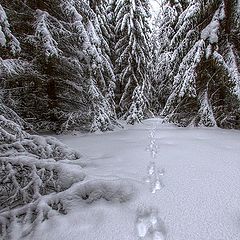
x=198, y=170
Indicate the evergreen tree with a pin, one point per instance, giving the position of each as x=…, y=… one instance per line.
x=9, y=68
x=203, y=65
x=62, y=43
x=163, y=31
x=105, y=32
x=132, y=57
x=136, y=113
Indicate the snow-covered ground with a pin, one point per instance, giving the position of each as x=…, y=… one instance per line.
x=198, y=172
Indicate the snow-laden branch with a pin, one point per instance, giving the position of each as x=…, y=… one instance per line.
x=7, y=39
x=44, y=35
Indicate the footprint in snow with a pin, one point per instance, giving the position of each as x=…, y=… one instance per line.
x=154, y=177
x=149, y=226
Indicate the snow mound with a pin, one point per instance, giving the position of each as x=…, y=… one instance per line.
x=114, y=191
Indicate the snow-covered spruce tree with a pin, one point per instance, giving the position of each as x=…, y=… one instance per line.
x=96, y=66
x=7, y=39
x=112, y=38
x=138, y=105
x=5, y=110
x=204, y=65
x=63, y=41
x=132, y=58
x=163, y=31
x=105, y=31
x=10, y=67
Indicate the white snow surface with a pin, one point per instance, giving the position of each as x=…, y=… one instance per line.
x=199, y=196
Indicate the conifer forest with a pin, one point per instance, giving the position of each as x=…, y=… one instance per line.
x=119, y=119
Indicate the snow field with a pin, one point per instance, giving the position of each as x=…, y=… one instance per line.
x=200, y=199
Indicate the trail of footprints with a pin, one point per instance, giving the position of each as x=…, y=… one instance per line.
x=149, y=226
x=154, y=174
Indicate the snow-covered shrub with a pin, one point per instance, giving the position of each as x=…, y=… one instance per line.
x=28, y=167
x=43, y=147
x=31, y=215
x=10, y=131
x=15, y=140
x=21, y=222
x=22, y=182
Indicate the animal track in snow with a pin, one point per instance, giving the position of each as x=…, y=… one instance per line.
x=149, y=226
x=154, y=174
x=153, y=147
x=154, y=177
